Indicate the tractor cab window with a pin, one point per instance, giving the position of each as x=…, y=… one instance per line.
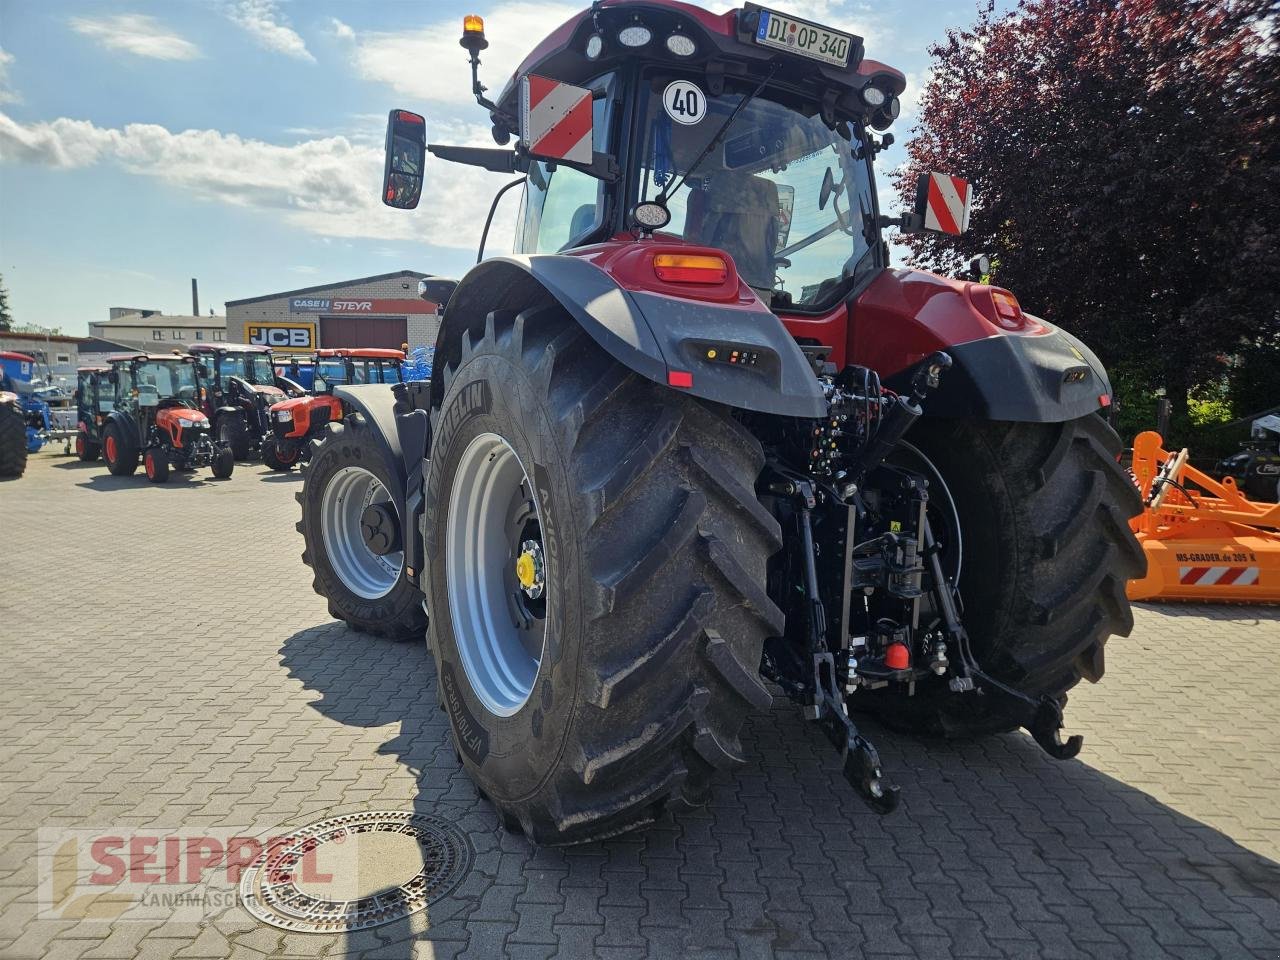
x=166, y=379
x=384, y=371
x=562, y=206
x=332, y=370
x=783, y=194
x=124, y=387
x=87, y=389
x=252, y=367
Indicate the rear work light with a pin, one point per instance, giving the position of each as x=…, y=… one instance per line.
x=690, y=268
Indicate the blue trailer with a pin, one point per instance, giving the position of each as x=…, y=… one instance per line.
x=25, y=423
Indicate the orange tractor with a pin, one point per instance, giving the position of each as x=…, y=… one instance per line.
x=300, y=420
x=1203, y=539
x=156, y=418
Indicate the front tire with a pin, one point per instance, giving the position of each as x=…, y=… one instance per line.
x=87, y=450
x=365, y=589
x=156, y=465
x=1044, y=513
x=224, y=463
x=653, y=549
x=273, y=459
x=233, y=433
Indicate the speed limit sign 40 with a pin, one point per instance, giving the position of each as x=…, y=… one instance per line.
x=684, y=102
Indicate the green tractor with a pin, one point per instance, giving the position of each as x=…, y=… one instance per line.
x=697, y=441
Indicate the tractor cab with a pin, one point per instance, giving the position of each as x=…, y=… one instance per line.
x=243, y=385
x=356, y=366
x=298, y=421
x=94, y=399
x=156, y=417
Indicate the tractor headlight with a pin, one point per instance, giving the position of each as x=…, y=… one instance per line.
x=185, y=423
x=873, y=96
x=595, y=43
x=284, y=416
x=681, y=45
x=636, y=35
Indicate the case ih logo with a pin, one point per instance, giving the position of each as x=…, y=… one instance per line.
x=327, y=305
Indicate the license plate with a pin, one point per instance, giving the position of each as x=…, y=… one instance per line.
x=806, y=39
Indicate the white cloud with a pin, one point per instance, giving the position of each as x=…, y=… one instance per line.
x=328, y=187
x=7, y=95
x=917, y=80
x=269, y=28
x=138, y=34
x=341, y=30
x=428, y=65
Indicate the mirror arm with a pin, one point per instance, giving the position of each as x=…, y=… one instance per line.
x=489, y=158
x=907, y=222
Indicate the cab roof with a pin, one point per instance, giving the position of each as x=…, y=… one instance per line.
x=725, y=48
x=368, y=353
x=227, y=348
x=128, y=357
x=10, y=355
x=92, y=369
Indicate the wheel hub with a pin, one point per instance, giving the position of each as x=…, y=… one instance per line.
x=529, y=570
x=380, y=529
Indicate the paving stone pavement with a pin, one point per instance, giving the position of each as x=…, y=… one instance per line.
x=166, y=664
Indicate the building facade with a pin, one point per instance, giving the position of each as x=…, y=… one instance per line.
x=54, y=354
x=379, y=311
x=153, y=330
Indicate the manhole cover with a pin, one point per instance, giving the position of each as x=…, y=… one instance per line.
x=355, y=871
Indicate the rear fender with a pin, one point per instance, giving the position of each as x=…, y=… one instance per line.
x=378, y=405
x=664, y=338
x=1025, y=371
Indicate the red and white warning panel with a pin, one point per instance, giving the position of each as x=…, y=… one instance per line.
x=947, y=205
x=555, y=119
x=1217, y=576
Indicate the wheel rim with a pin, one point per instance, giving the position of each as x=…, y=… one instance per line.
x=944, y=518
x=151, y=466
x=111, y=447
x=496, y=574
x=365, y=573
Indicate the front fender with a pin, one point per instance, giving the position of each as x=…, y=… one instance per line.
x=653, y=334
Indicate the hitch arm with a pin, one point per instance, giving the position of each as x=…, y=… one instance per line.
x=1042, y=718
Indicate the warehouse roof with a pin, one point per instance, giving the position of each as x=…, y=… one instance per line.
x=338, y=285
x=177, y=321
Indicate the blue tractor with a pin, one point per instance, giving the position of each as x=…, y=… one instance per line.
x=24, y=418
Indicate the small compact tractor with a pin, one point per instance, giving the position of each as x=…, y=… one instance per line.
x=1255, y=467
x=156, y=418
x=697, y=442
x=299, y=422
x=94, y=399
x=242, y=386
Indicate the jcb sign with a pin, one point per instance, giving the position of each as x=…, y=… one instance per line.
x=285, y=337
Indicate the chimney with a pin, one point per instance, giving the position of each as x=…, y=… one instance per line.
x=195, y=299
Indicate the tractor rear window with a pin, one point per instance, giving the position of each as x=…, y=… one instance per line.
x=783, y=194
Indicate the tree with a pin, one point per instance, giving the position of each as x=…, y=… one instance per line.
x=1126, y=160
x=6, y=317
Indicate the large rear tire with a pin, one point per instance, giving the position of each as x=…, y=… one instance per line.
x=119, y=450
x=348, y=471
x=580, y=713
x=1043, y=511
x=13, y=441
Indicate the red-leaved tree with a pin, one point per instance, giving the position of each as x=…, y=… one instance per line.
x=1126, y=161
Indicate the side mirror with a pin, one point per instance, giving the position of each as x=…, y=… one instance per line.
x=942, y=204
x=406, y=151
x=202, y=370
x=113, y=377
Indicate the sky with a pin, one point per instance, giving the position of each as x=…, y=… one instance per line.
x=240, y=141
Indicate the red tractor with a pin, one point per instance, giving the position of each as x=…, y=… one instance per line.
x=156, y=418
x=697, y=441
x=299, y=422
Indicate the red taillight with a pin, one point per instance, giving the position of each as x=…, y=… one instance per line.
x=1104, y=399
x=1006, y=304
x=690, y=268
x=404, y=116
x=680, y=378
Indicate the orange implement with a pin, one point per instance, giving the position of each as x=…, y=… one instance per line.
x=1203, y=539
